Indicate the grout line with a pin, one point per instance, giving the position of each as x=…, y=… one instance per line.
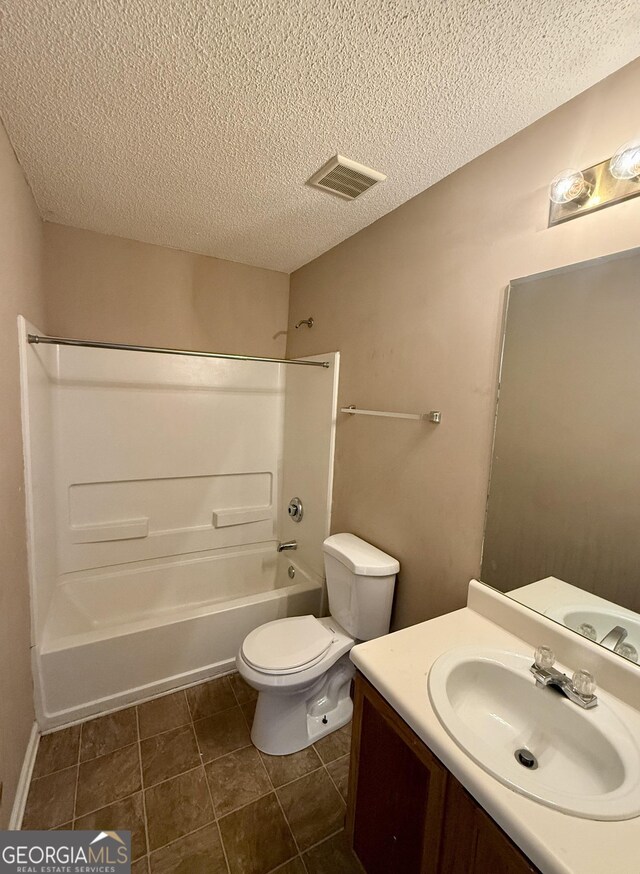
x=134, y=709
x=224, y=849
x=275, y=792
x=103, y=755
x=231, y=753
x=282, y=864
x=224, y=755
x=246, y=804
x=188, y=724
x=173, y=777
x=248, y=723
x=210, y=822
x=333, y=781
x=241, y=704
x=215, y=819
x=233, y=692
x=186, y=698
x=216, y=713
x=289, y=824
x=142, y=789
x=210, y=794
x=261, y=754
x=75, y=794
x=182, y=837
x=51, y=773
x=327, y=838
x=295, y=840
x=166, y=731
x=110, y=804
x=295, y=779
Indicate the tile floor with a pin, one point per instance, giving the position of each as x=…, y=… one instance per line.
x=180, y=772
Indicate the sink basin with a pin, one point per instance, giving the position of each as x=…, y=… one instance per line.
x=601, y=618
x=534, y=740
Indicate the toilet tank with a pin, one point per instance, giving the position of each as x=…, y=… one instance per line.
x=360, y=584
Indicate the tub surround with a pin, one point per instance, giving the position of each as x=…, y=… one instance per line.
x=398, y=666
x=154, y=497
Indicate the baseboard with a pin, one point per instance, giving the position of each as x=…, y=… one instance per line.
x=19, y=803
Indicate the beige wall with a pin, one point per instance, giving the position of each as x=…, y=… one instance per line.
x=414, y=304
x=20, y=293
x=107, y=288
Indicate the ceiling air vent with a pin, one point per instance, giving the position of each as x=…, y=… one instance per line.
x=346, y=178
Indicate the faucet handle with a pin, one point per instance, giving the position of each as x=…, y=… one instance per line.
x=584, y=684
x=628, y=651
x=544, y=657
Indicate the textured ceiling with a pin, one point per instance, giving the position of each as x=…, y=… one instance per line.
x=194, y=123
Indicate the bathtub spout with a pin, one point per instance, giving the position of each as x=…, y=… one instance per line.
x=288, y=544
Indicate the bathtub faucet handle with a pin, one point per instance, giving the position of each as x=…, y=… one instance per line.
x=288, y=544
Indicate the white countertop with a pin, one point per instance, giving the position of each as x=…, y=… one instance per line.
x=398, y=666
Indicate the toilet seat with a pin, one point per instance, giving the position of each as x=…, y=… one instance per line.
x=287, y=646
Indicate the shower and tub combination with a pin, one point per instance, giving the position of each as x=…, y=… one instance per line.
x=158, y=491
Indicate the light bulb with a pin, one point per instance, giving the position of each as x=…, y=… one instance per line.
x=625, y=164
x=569, y=185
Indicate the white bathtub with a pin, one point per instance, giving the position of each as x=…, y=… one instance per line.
x=125, y=634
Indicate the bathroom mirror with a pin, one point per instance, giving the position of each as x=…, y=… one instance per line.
x=562, y=532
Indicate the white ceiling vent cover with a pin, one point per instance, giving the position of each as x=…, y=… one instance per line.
x=346, y=178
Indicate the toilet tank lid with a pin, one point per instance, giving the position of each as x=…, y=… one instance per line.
x=360, y=557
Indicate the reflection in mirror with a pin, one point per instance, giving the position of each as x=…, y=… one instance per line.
x=562, y=531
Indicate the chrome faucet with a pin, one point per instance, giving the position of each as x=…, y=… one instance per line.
x=614, y=638
x=580, y=688
x=288, y=544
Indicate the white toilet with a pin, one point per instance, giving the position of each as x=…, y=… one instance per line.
x=301, y=665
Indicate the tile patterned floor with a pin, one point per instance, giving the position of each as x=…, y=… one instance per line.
x=181, y=773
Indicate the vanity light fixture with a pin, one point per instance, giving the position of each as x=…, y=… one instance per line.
x=575, y=192
x=568, y=186
x=625, y=164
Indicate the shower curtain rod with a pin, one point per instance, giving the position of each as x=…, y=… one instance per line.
x=96, y=344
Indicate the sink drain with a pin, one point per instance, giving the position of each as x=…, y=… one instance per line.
x=526, y=759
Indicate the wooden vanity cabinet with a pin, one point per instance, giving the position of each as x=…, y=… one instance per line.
x=473, y=843
x=406, y=814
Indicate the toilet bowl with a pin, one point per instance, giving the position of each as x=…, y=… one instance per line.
x=300, y=665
